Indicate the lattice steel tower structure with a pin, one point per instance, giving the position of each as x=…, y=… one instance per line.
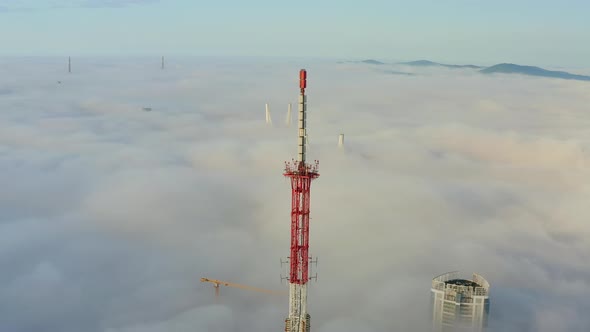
x=301, y=175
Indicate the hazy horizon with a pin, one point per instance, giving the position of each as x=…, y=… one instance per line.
x=550, y=33
x=79, y=61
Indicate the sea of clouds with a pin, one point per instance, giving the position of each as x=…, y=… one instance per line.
x=110, y=214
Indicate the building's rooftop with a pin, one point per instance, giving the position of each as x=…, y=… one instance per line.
x=462, y=282
x=451, y=281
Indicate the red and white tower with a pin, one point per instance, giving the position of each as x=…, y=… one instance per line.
x=301, y=175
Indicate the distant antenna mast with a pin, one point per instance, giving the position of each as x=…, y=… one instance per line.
x=162, y=62
x=268, y=119
x=69, y=64
x=288, y=121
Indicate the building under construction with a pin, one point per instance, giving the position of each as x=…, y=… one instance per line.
x=459, y=304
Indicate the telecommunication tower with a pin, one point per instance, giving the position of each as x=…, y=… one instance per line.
x=301, y=175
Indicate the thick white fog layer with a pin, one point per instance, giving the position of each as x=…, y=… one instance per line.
x=110, y=213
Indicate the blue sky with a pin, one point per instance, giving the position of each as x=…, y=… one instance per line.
x=484, y=32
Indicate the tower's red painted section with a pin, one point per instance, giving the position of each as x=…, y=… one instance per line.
x=301, y=175
x=302, y=80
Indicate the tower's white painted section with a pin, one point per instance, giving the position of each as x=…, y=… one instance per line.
x=298, y=320
x=302, y=139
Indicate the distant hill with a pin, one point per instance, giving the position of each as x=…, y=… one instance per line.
x=502, y=68
x=427, y=63
x=421, y=63
x=395, y=72
x=368, y=61
x=373, y=62
x=510, y=68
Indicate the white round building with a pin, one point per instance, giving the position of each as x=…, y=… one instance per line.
x=459, y=304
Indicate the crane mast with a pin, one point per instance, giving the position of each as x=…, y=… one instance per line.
x=217, y=283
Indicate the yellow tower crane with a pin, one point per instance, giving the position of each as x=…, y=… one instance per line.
x=217, y=283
